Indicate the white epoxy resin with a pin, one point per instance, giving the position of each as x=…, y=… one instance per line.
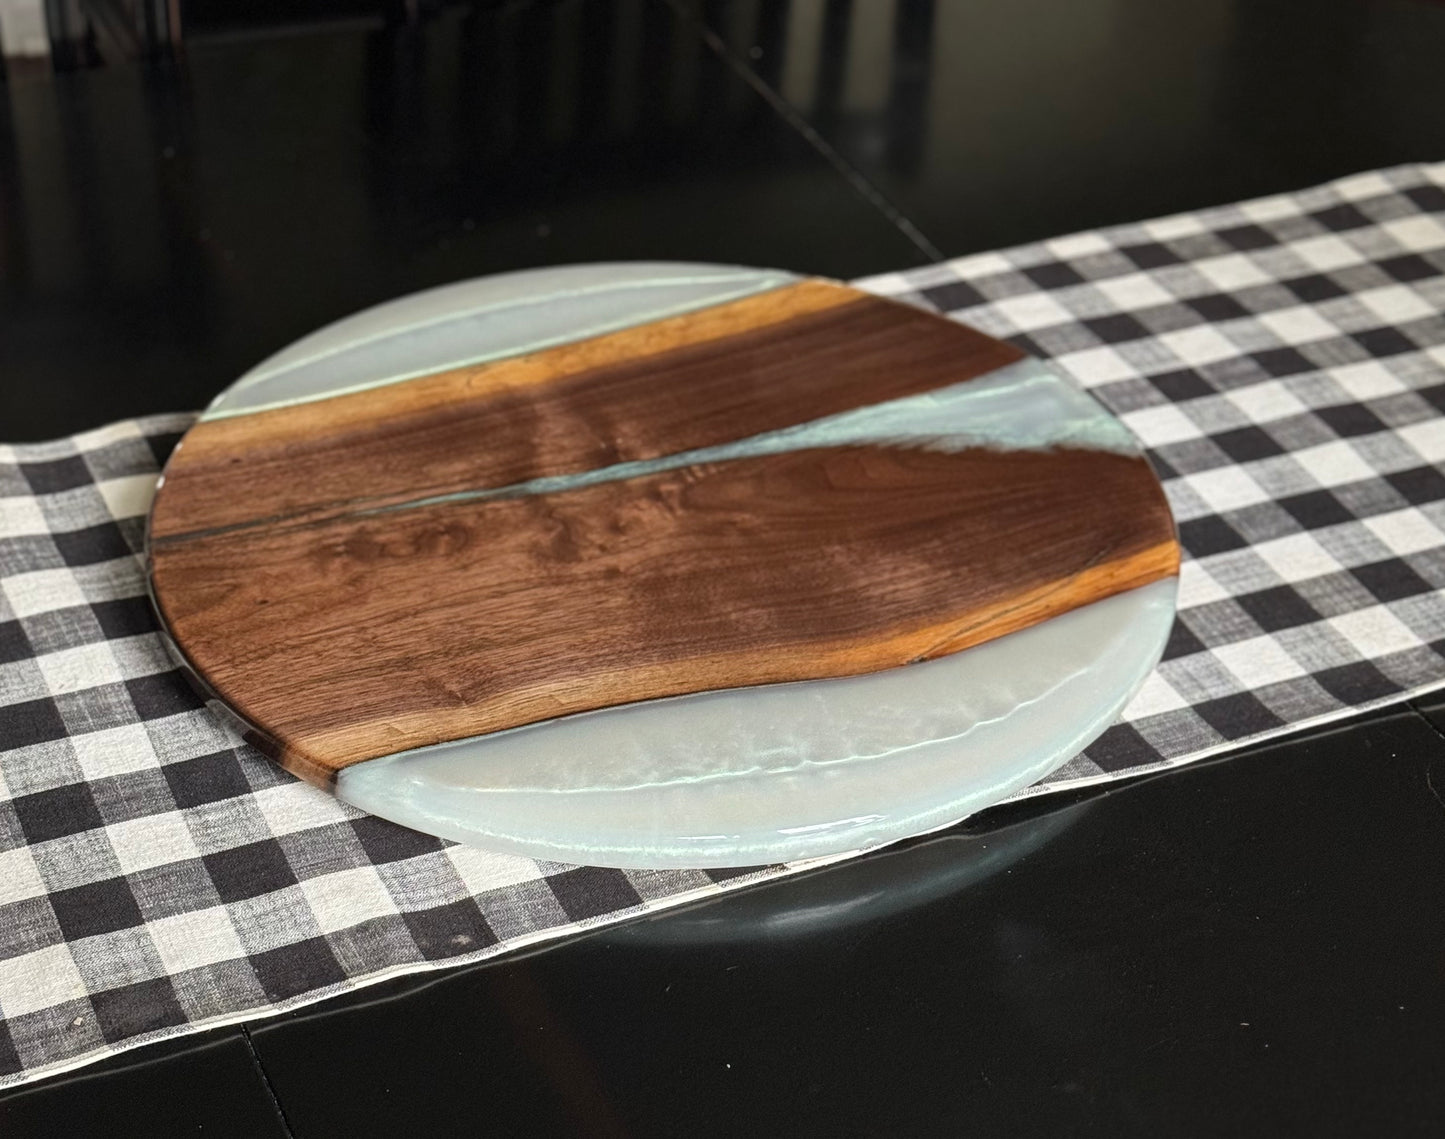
x=755, y=775
x=472, y=322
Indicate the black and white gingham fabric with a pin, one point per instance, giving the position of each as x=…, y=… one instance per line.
x=1284, y=361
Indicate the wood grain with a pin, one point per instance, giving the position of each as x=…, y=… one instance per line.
x=344, y=635
x=726, y=373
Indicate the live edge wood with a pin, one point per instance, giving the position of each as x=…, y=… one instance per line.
x=343, y=634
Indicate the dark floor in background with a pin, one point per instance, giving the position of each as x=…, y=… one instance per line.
x=1255, y=945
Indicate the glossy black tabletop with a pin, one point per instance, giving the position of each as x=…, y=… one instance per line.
x=1254, y=945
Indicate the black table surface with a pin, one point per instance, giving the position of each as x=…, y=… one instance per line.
x=1249, y=945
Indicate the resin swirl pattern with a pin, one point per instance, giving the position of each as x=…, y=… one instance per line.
x=663, y=565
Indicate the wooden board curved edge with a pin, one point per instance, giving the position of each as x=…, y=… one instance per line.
x=319, y=760
x=335, y=750
x=284, y=642
x=292, y=760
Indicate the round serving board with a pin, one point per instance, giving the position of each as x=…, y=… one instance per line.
x=662, y=565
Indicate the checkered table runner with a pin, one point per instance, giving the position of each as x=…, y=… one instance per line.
x=1283, y=360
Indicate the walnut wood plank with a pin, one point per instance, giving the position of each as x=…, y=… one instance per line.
x=729, y=372
x=349, y=637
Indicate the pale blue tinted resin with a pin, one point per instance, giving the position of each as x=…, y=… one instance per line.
x=771, y=774
x=473, y=322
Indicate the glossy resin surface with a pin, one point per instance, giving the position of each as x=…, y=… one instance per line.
x=755, y=775
x=665, y=565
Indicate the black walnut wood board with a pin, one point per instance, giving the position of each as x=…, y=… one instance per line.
x=706, y=500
